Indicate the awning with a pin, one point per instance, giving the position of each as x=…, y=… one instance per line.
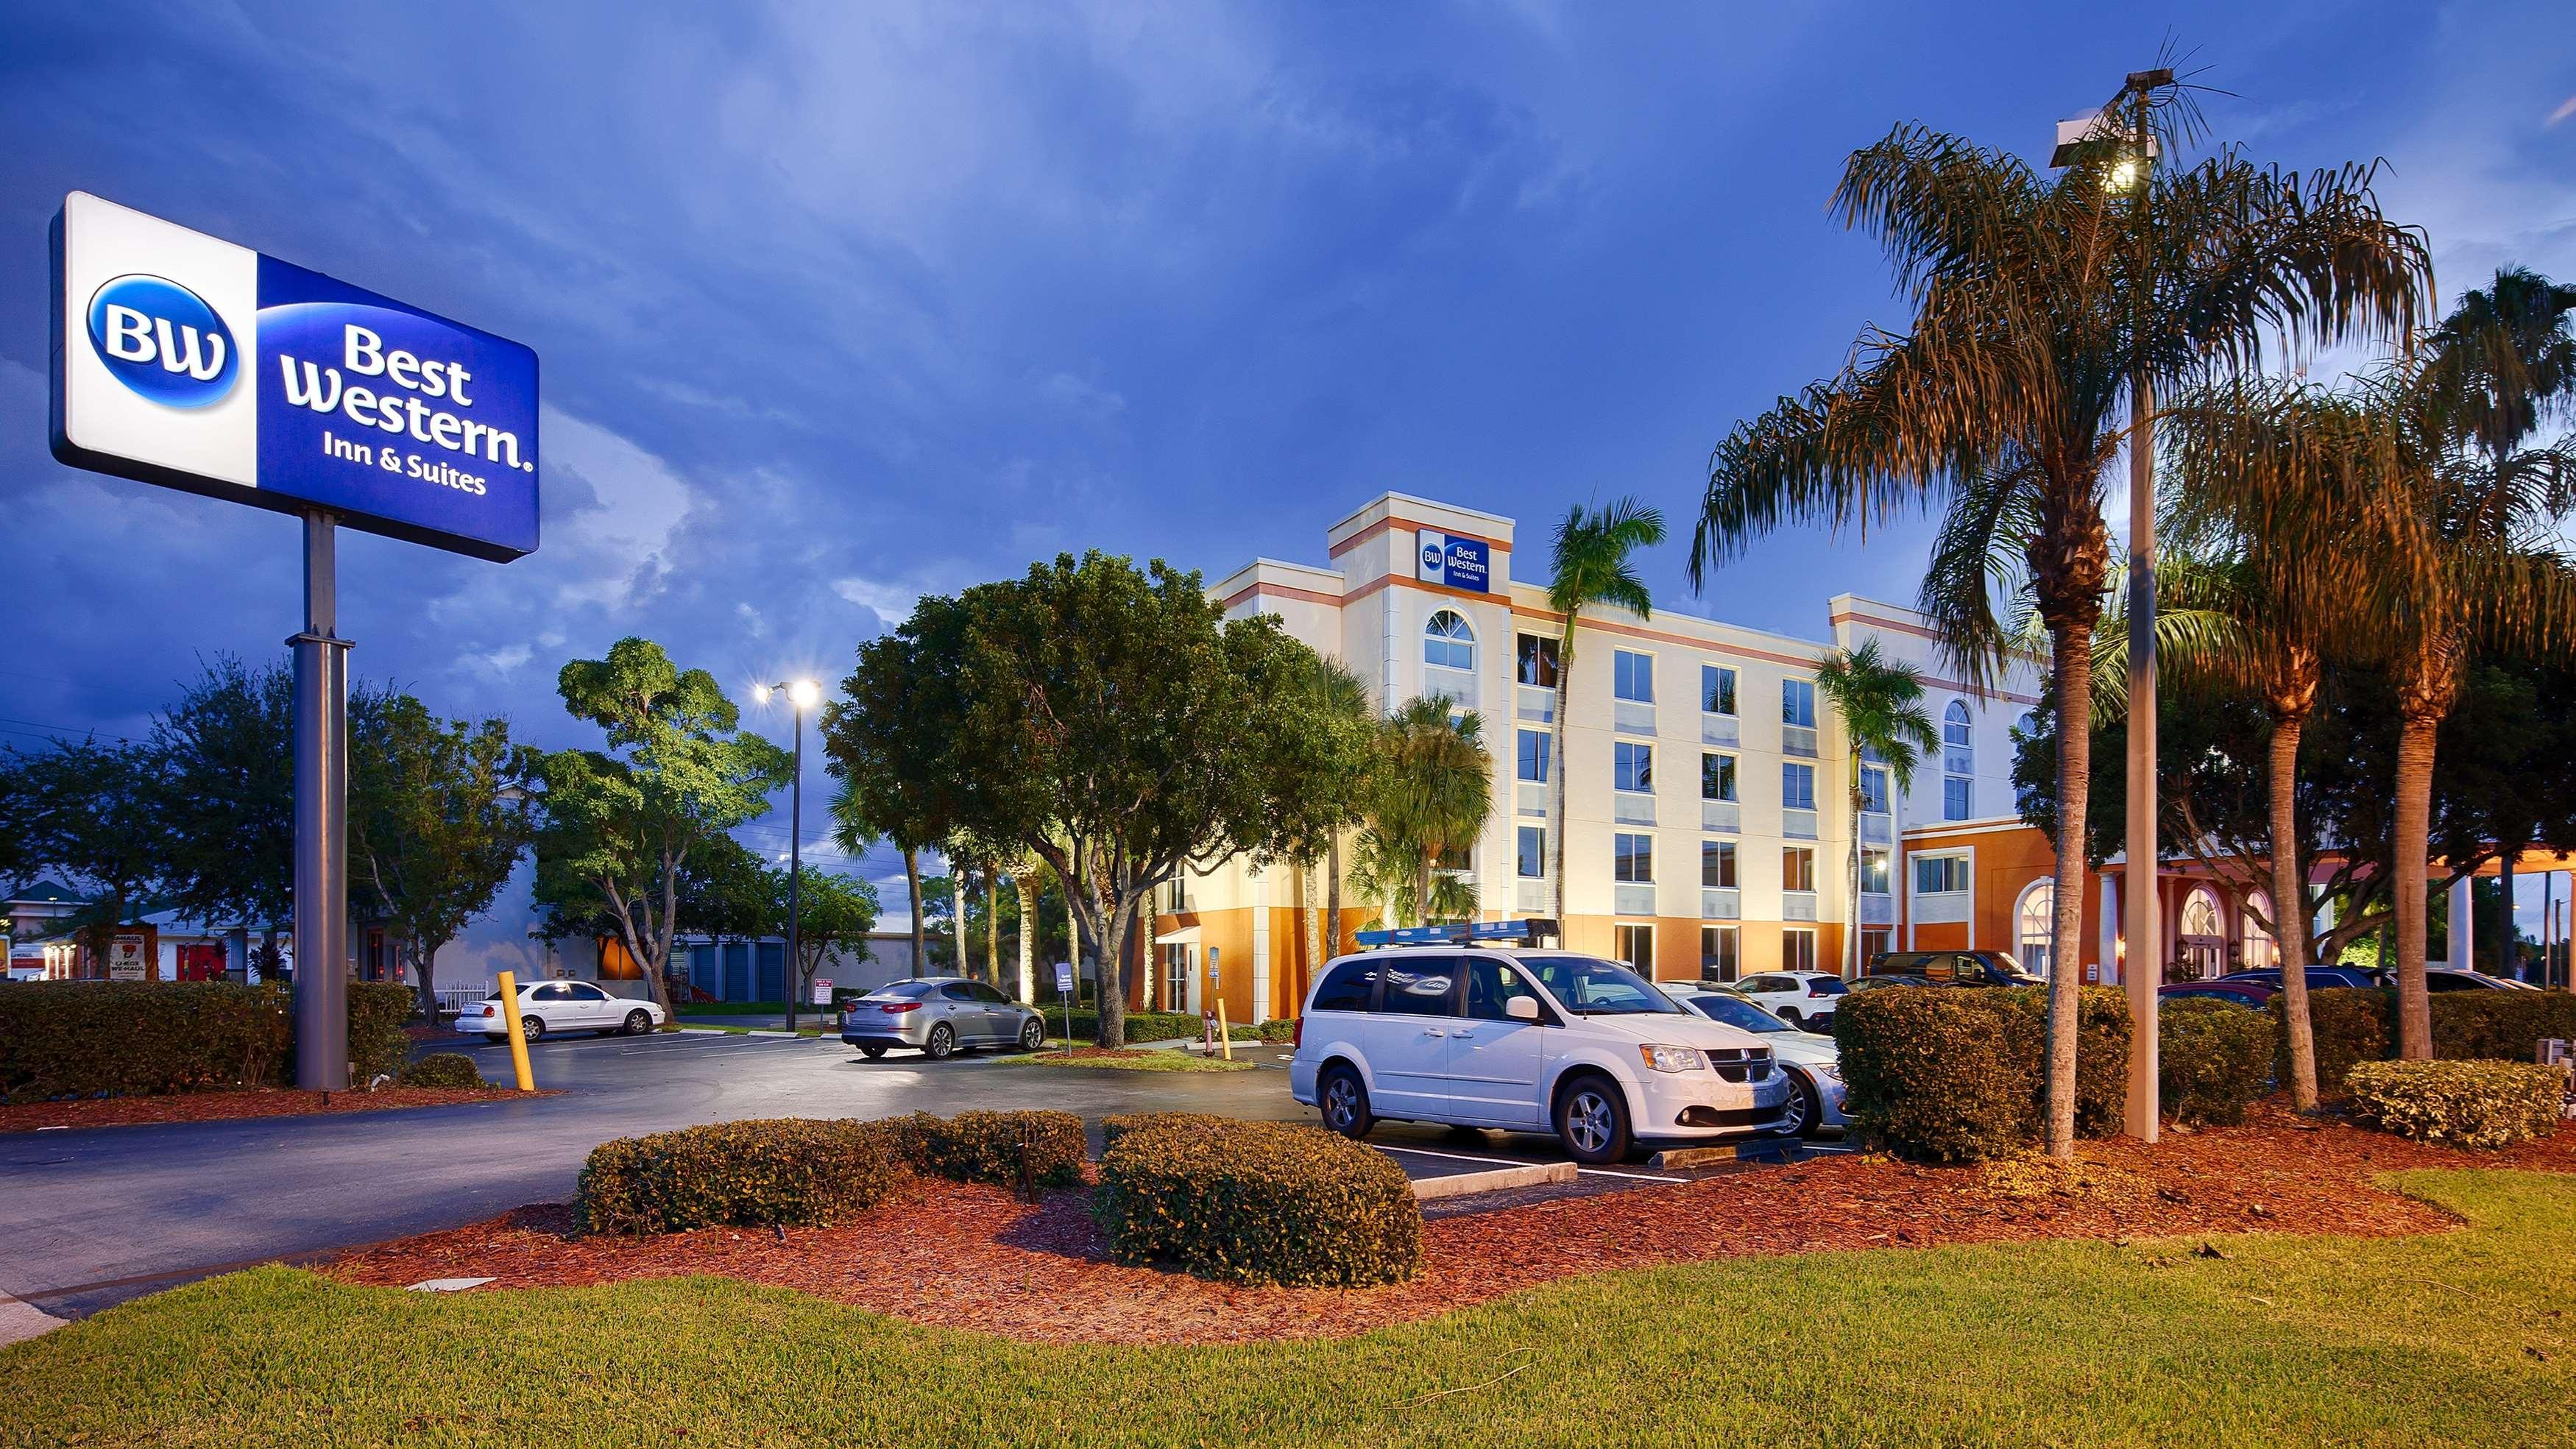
x=1185, y=936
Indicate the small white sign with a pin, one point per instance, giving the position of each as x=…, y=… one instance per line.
x=125, y=959
x=822, y=991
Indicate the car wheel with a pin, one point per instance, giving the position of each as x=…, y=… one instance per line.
x=1032, y=1034
x=532, y=1028
x=1803, y=1112
x=942, y=1044
x=872, y=1052
x=1592, y=1121
x=638, y=1022
x=1790, y=1015
x=1345, y=1103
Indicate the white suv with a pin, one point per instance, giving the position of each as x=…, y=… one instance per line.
x=1527, y=1040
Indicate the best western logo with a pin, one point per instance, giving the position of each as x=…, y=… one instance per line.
x=163, y=342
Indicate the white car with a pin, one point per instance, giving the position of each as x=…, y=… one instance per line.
x=547, y=1007
x=1804, y=999
x=1526, y=1040
x=1812, y=1061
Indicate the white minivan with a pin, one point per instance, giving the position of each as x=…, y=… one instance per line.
x=1528, y=1040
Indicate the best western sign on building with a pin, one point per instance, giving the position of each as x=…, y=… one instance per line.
x=1458, y=563
x=187, y=361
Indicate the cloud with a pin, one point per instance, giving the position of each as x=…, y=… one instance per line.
x=622, y=537
x=1083, y=399
x=890, y=602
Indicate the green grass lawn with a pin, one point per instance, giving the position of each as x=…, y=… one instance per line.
x=2283, y=1341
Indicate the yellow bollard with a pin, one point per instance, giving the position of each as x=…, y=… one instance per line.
x=1224, y=1033
x=518, y=1038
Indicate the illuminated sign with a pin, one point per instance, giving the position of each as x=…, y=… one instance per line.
x=1459, y=563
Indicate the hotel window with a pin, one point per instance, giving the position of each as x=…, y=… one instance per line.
x=1958, y=763
x=1797, y=787
x=1632, y=767
x=1934, y=874
x=1448, y=642
x=1797, y=949
x=1797, y=868
x=1537, y=661
x=1875, y=942
x=1716, y=776
x=1637, y=948
x=1873, y=789
x=1717, y=958
x=1633, y=677
x=1716, y=689
x=1632, y=860
x=1873, y=872
x=1798, y=703
x=1717, y=864
x=1533, y=851
x=1534, y=747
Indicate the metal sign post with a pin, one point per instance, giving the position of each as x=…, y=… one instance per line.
x=321, y=822
x=1064, y=992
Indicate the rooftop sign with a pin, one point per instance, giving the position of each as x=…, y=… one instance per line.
x=187, y=361
x=1459, y=563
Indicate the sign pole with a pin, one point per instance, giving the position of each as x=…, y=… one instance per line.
x=321, y=821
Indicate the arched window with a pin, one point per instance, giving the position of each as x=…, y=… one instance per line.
x=1448, y=642
x=2200, y=945
x=2200, y=915
x=2261, y=949
x=1958, y=763
x=2035, y=925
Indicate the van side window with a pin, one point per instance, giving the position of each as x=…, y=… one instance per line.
x=1421, y=985
x=1490, y=984
x=1348, y=988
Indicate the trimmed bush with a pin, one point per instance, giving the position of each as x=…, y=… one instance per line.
x=2350, y=1024
x=2503, y=1026
x=440, y=1069
x=1259, y=1202
x=139, y=1038
x=1955, y=1074
x=1146, y=1025
x=743, y=1174
x=987, y=1146
x=2466, y=1104
x=1113, y=1128
x=2213, y=1059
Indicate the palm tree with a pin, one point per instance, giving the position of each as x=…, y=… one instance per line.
x=1340, y=699
x=1591, y=566
x=2037, y=304
x=1431, y=793
x=1881, y=704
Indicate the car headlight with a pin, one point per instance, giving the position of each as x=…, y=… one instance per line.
x=1673, y=1058
x=1830, y=1071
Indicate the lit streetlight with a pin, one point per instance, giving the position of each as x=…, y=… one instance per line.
x=802, y=694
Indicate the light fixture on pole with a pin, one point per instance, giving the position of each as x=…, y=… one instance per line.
x=802, y=695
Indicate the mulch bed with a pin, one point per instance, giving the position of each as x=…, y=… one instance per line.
x=975, y=1258
x=224, y=1106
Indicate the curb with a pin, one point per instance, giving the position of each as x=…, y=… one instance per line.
x=22, y=1321
x=1461, y=1184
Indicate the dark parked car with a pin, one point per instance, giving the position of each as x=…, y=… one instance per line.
x=1954, y=968
x=2320, y=978
x=2253, y=994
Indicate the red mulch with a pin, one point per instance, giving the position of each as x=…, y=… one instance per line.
x=975, y=1258
x=222, y=1106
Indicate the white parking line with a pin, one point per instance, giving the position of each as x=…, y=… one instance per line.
x=1524, y=1162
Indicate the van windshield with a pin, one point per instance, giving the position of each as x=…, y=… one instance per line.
x=1590, y=986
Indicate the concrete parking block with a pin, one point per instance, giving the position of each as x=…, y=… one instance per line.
x=446, y=1285
x=1494, y=1179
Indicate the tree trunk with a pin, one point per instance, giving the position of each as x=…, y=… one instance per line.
x=1333, y=894
x=1109, y=942
x=992, y=925
x=424, y=961
x=1314, y=915
x=2073, y=669
x=1556, y=770
x=2414, y=819
x=2290, y=914
x=957, y=912
x=1851, y=903
x=1154, y=992
x=912, y=887
x=1024, y=883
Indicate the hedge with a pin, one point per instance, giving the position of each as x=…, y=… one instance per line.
x=989, y=1146
x=1147, y=1025
x=2213, y=1059
x=1955, y=1074
x=440, y=1069
x=1259, y=1202
x=2359, y=1024
x=2468, y=1104
x=744, y=1174
x=1113, y=1128
x=138, y=1038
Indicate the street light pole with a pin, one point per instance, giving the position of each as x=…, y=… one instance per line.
x=800, y=694
x=2140, y=919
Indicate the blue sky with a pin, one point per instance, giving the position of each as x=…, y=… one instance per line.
x=838, y=304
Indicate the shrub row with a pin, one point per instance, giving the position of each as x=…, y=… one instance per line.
x=130, y=1038
x=2359, y=1024
x=2464, y=1103
x=797, y=1170
x=440, y=1069
x=1257, y=1202
x=1958, y=1074
x=1146, y=1025
x=2213, y=1059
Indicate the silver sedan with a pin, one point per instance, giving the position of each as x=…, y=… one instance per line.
x=936, y=1015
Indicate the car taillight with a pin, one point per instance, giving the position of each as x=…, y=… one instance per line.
x=1297, y=1035
x=898, y=1008
x=487, y=1010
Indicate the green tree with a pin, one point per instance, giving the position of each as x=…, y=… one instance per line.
x=885, y=743
x=618, y=826
x=90, y=810
x=834, y=914
x=1430, y=794
x=1881, y=704
x=226, y=815
x=2037, y=304
x=1334, y=776
x=438, y=815
x=1591, y=565
x=854, y=835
